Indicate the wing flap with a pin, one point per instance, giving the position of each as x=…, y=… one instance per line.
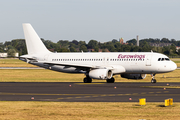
x=69, y=65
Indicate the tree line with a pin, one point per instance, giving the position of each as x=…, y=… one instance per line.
x=18, y=45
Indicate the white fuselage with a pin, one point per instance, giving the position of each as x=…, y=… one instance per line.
x=133, y=62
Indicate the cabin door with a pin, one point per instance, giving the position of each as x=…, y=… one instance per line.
x=148, y=60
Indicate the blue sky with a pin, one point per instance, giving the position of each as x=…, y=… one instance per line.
x=101, y=20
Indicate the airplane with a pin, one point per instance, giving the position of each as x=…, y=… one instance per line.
x=100, y=65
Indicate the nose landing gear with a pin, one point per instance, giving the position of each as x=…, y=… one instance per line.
x=153, y=78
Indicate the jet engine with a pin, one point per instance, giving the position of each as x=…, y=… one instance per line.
x=100, y=74
x=133, y=76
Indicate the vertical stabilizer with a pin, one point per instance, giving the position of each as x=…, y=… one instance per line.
x=33, y=42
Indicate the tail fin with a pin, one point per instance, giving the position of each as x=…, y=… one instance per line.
x=33, y=42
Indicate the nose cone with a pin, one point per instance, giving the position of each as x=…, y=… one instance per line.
x=173, y=66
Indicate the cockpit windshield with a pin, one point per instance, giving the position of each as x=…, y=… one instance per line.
x=163, y=59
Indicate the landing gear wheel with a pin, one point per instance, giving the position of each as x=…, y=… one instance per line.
x=153, y=81
x=87, y=80
x=110, y=80
x=153, y=78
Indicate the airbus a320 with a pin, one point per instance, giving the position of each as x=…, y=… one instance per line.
x=100, y=65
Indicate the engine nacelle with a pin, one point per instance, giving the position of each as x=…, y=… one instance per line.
x=133, y=76
x=100, y=74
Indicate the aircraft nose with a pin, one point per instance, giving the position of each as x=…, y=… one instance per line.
x=173, y=66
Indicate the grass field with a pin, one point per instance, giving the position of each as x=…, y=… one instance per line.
x=14, y=63
x=87, y=111
x=177, y=61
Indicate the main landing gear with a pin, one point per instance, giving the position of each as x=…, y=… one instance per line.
x=153, y=78
x=87, y=79
x=110, y=80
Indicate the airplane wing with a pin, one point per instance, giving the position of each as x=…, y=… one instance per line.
x=115, y=68
x=81, y=66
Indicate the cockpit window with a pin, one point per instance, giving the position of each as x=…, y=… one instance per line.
x=167, y=59
x=163, y=59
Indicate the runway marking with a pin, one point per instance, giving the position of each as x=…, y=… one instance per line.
x=158, y=92
x=103, y=95
x=69, y=97
x=79, y=96
x=95, y=96
x=119, y=94
x=88, y=83
x=150, y=92
x=2, y=93
x=87, y=95
x=163, y=94
x=111, y=95
x=173, y=87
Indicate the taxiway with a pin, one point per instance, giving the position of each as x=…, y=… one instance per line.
x=88, y=92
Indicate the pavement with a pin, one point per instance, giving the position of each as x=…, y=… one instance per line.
x=88, y=92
